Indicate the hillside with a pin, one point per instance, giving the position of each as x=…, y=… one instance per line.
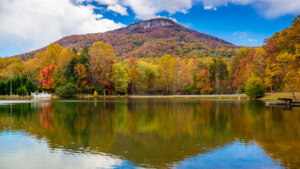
x=150, y=38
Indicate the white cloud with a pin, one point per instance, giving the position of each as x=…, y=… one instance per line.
x=255, y=40
x=147, y=9
x=33, y=24
x=241, y=36
x=207, y=7
x=250, y=40
x=243, y=33
x=235, y=33
x=268, y=8
x=158, y=16
x=119, y=9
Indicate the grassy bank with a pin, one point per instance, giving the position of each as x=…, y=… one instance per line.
x=275, y=96
x=15, y=97
x=224, y=97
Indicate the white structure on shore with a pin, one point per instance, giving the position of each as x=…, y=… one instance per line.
x=41, y=95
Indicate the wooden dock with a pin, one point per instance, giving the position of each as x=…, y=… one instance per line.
x=285, y=101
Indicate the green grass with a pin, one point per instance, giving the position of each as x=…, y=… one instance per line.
x=275, y=96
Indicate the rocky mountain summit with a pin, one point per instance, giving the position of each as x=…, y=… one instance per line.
x=146, y=24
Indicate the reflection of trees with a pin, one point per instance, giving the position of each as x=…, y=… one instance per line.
x=159, y=132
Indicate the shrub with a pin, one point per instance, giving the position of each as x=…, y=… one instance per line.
x=255, y=88
x=67, y=91
x=22, y=91
x=95, y=94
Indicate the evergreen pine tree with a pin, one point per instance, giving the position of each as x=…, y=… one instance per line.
x=18, y=82
x=84, y=56
x=2, y=87
x=72, y=81
x=70, y=68
x=7, y=87
x=21, y=91
x=30, y=86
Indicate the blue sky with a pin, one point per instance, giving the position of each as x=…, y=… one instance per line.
x=32, y=24
x=233, y=23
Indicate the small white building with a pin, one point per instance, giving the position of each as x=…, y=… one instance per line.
x=41, y=95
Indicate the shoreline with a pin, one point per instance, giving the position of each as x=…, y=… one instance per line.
x=209, y=97
x=15, y=97
x=267, y=97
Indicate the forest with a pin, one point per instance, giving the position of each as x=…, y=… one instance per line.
x=273, y=67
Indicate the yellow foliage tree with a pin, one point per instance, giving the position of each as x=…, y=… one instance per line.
x=102, y=59
x=63, y=59
x=285, y=65
x=167, y=71
x=51, y=55
x=260, y=60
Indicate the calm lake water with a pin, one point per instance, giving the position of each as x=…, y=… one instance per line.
x=148, y=133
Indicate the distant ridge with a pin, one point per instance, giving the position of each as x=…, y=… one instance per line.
x=143, y=39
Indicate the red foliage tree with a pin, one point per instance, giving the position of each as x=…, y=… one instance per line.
x=46, y=78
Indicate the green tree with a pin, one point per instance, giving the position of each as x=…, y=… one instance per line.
x=18, y=82
x=30, y=86
x=70, y=68
x=84, y=56
x=2, y=87
x=255, y=88
x=7, y=87
x=72, y=81
x=74, y=51
x=21, y=91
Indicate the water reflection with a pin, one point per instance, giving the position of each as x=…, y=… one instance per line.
x=160, y=133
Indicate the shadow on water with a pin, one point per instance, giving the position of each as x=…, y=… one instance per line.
x=158, y=132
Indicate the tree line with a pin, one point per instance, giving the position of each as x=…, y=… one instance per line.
x=273, y=67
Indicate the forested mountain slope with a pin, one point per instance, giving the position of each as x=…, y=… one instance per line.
x=150, y=38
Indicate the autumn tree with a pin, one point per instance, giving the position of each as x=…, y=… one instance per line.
x=285, y=65
x=167, y=71
x=51, y=55
x=63, y=59
x=203, y=79
x=260, y=61
x=102, y=58
x=46, y=78
x=120, y=78
x=81, y=74
x=132, y=64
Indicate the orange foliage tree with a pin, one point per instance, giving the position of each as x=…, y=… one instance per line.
x=204, y=82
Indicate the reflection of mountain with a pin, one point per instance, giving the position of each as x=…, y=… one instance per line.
x=159, y=133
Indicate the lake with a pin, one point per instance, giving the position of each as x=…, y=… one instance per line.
x=148, y=133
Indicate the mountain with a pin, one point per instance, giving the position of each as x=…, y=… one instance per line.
x=150, y=38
